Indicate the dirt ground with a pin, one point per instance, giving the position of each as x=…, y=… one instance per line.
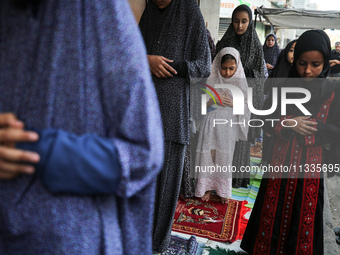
x=331, y=214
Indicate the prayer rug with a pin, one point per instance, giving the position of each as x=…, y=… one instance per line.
x=212, y=220
x=256, y=150
x=250, y=193
x=180, y=246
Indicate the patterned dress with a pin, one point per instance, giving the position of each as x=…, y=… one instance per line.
x=188, y=186
x=250, y=48
x=177, y=33
x=271, y=54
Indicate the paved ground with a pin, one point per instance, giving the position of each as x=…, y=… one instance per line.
x=331, y=214
x=331, y=220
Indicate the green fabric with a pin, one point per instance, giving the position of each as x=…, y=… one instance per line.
x=221, y=251
x=249, y=194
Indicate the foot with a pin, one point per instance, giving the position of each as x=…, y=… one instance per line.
x=224, y=200
x=183, y=197
x=206, y=196
x=337, y=231
x=213, y=156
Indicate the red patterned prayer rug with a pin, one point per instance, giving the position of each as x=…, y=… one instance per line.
x=213, y=220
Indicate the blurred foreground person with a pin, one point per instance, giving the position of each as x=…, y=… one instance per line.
x=82, y=147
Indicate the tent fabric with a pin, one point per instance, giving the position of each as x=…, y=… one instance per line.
x=297, y=18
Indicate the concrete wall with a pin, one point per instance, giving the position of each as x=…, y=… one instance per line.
x=211, y=14
x=261, y=31
x=137, y=7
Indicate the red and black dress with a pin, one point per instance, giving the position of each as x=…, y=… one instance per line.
x=288, y=214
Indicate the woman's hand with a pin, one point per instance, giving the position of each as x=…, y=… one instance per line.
x=269, y=66
x=159, y=66
x=304, y=125
x=12, y=160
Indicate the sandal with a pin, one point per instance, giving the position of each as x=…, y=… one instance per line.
x=337, y=231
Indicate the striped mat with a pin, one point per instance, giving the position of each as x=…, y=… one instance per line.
x=249, y=194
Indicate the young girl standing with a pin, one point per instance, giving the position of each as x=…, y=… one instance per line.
x=242, y=36
x=271, y=52
x=288, y=214
x=216, y=144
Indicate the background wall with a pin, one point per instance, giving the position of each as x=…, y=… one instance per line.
x=211, y=13
x=137, y=7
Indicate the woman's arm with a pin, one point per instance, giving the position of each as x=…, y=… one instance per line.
x=199, y=57
x=84, y=164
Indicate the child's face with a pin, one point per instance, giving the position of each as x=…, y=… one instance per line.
x=290, y=55
x=241, y=22
x=162, y=4
x=270, y=41
x=228, y=68
x=310, y=64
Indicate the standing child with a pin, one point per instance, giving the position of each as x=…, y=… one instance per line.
x=288, y=214
x=216, y=144
x=271, y=52
x=242, y=36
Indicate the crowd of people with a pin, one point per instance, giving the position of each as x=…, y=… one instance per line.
x=97, y=122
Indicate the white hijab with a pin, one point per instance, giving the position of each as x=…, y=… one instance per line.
x=238, y=79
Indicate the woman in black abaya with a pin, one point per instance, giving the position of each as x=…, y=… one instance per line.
x=177, y=46
x=242, y=36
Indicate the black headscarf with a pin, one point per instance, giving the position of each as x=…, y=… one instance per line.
x=320, y=88
x=313, y=40
x=271, y=53
x=242, y=8
x=281, y=70
x=248, y=44
x=178, y=33
x=25, y=3
x=283, y=66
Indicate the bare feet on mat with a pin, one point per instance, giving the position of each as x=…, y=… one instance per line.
x=206, y=196
x=224, y=200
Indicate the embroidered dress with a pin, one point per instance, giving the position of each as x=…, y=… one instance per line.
x=278, y=75
x=288, y=214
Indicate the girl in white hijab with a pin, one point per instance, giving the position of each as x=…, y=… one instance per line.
x=215, y=147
